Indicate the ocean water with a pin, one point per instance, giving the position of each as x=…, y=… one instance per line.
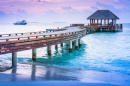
x=102, y=51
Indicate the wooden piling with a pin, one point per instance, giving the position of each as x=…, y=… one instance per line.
x=70, y=46
x=73, y=43
x=49, y=50
x=61, y=44
x=56, y=47
x=80, y=43
x=34, y=53
x=76, y=44
x=14, y=59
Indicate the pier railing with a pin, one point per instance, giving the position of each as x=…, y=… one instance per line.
x=15, y=34
x=9, y=45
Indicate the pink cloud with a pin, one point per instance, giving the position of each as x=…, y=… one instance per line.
x=41, y=6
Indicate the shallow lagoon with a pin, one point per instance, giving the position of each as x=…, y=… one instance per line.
x=103, y=58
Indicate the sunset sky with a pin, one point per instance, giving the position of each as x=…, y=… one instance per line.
x=71, y=11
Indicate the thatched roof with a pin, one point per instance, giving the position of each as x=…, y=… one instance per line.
x=103, y=14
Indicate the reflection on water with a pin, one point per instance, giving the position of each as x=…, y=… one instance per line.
x=35, y=73
x=14, y=71
x=47, y=73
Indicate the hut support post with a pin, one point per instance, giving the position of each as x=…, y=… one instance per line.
x=76, y=44
x=97, y=21
x=34, y=54
x=56, y=47
x=80, y=43
x=70, y=46
x=105, y=22
x=49, y=50
x=14, y=59
x=112, y=22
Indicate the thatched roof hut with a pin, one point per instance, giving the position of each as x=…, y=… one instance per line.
x=103, y=15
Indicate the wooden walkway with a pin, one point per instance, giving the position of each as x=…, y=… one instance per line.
x=10, y=43
x=13, y=43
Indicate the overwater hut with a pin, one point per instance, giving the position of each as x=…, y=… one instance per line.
x=104, y=19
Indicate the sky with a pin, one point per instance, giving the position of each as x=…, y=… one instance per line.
x=71, y=11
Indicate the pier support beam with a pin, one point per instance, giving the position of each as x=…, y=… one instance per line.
x=34, y=54
x=14, y=59
x=80, y=43
x=76, y=44
x=70, y=46
x=56, y=47
x=49, y=50
x=61, y=44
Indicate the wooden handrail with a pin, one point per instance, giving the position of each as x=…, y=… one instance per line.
x=18, y=38
x=27, y=44
x=30, y=32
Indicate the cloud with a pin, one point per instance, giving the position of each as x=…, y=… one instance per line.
x=67, y=8
x=94, y=7
x=60, y=8
x=2, y=14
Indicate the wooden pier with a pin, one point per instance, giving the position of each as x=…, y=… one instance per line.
x=13, y=43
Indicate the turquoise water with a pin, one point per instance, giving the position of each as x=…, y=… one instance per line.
x=102, y=51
